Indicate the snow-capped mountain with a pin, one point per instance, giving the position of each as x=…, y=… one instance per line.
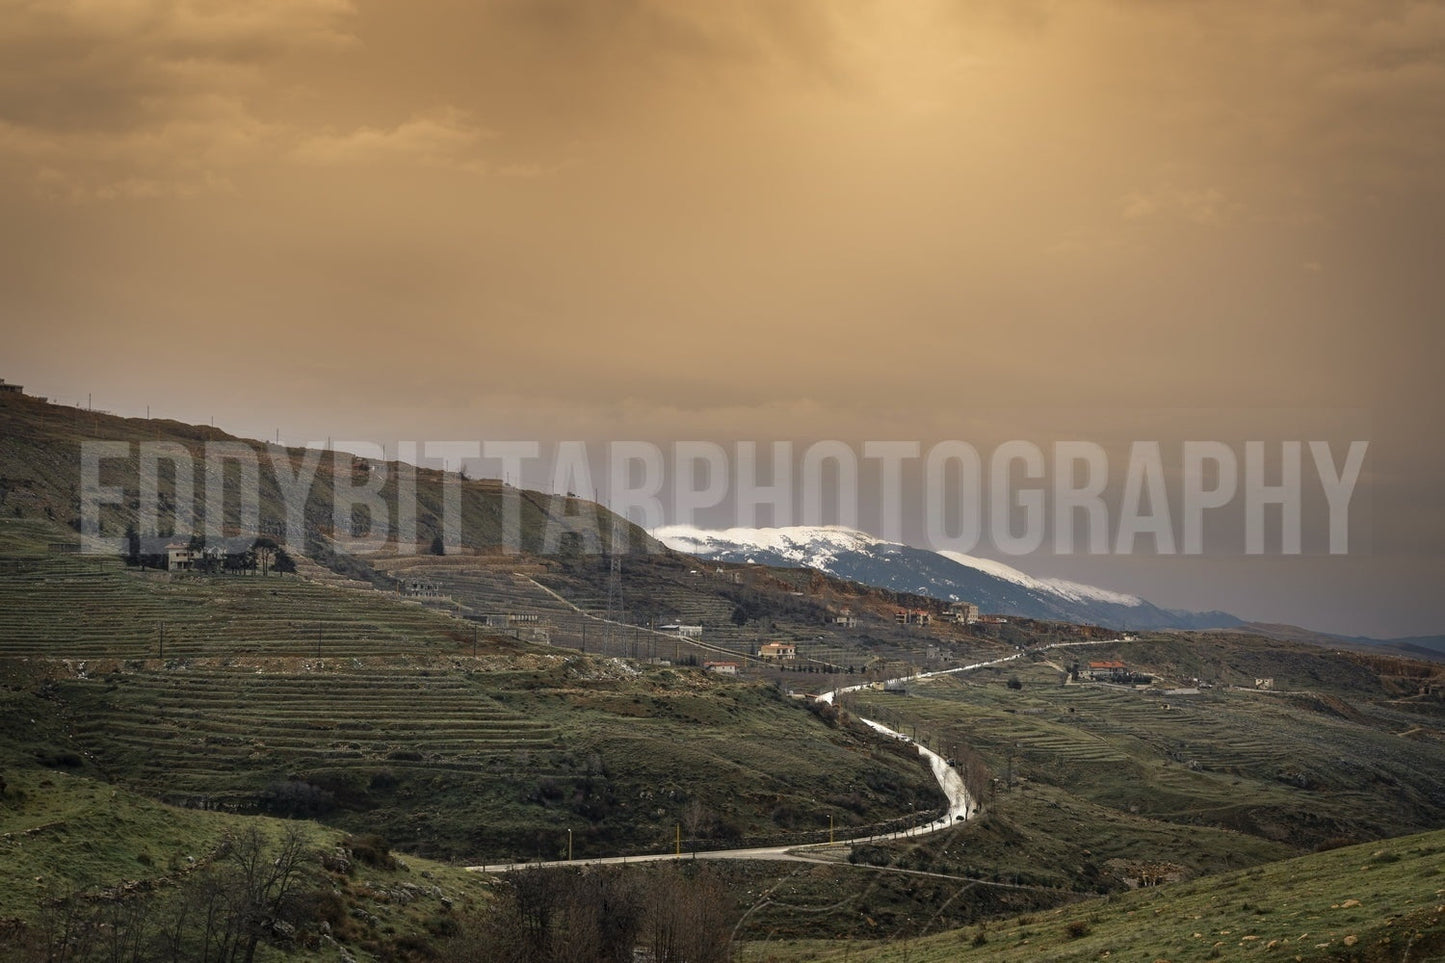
x=993, y=586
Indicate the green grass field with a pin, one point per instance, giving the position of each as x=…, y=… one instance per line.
x=79, y=852
x=1379, y=901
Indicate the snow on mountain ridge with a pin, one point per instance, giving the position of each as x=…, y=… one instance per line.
x=1075, y=591
x=819, y=547
x=806, y=545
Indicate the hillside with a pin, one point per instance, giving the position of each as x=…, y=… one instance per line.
x=1380, y=901
x=278, y=694
x=523, y=575
x=40, y=478
x=490, y=705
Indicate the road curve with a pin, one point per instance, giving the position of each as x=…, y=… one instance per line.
x=949, y=780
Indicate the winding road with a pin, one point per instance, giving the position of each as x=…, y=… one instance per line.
x=949, y=780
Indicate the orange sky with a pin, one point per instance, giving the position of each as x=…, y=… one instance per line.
x=630, y=218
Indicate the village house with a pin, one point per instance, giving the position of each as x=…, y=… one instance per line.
x=721, y=668
x=1108, y=671
x=180, y=557
x=778, y=651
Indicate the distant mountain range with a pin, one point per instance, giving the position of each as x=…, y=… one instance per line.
x=993, y=586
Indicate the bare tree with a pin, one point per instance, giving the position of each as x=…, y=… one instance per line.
x=695, y=817
x=264, y=881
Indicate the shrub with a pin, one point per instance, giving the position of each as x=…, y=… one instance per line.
x=1077, y=929
x=297, y=798
x=372, y=850
x=59, y=758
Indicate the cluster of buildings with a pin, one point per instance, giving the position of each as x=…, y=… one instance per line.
x=961, y=613
x=172, y=555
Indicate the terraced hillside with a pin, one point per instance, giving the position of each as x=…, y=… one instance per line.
x=83, y=607
x=470, y=758
x=205, y=727
x=1196, y=780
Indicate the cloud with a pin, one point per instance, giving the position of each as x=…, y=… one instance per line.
x=1208, y=207
x=445, y=138
x=142, y=98
x=184, y=155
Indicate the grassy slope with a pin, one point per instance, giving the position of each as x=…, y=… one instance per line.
x=63, y=833
x=482, y=760
x=1379, y=901
x=1297, y=767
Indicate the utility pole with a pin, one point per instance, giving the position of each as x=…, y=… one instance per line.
x=318, y=640
x=677, y=851
x=569, y=845
x=615, y=608
x=474, y=655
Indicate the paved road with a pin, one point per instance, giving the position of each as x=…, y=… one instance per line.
x=949, y=780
